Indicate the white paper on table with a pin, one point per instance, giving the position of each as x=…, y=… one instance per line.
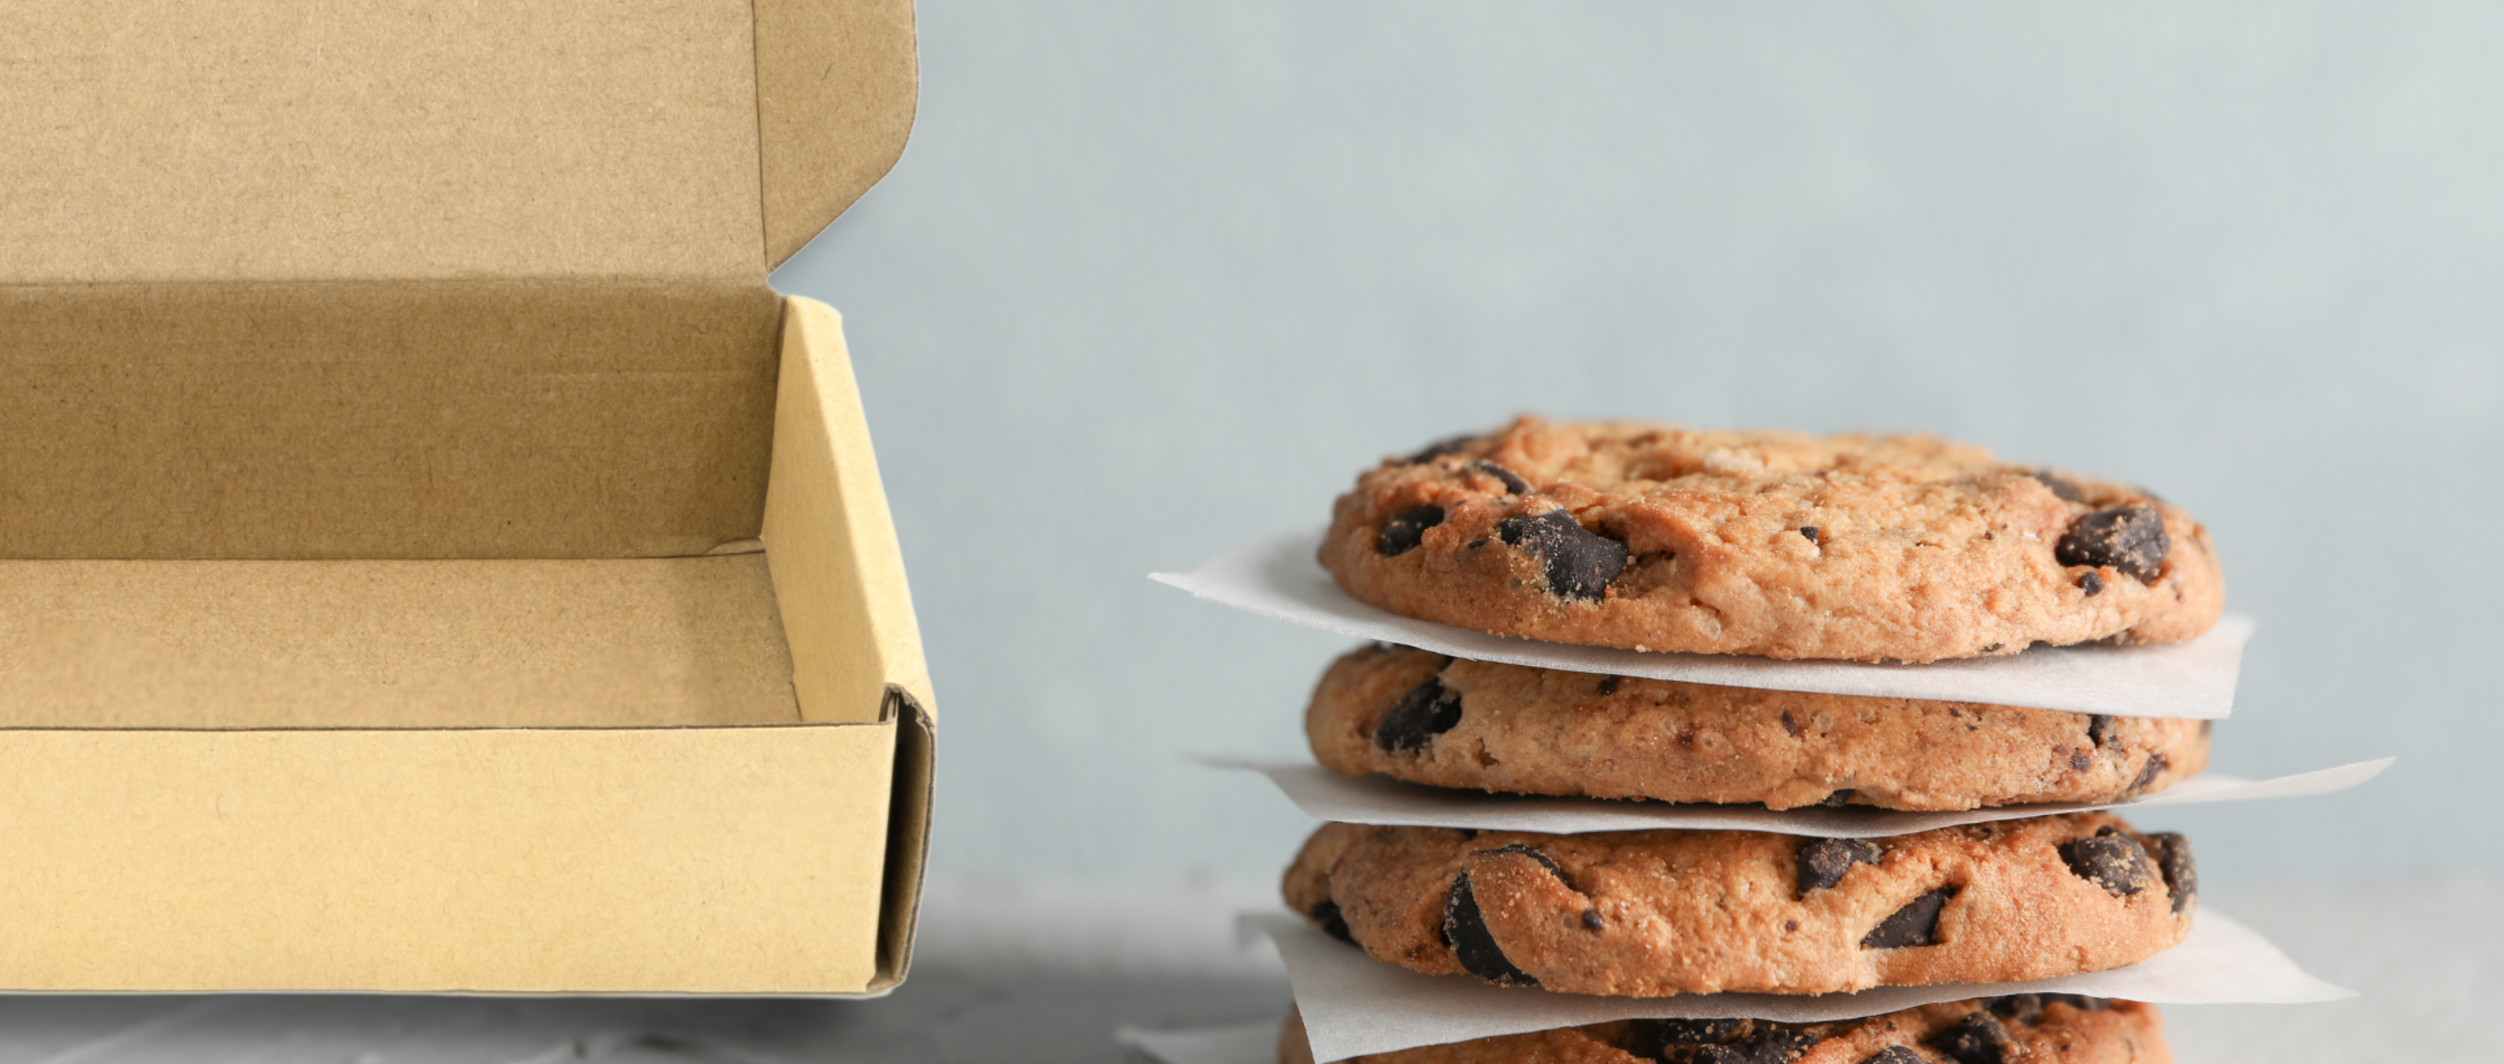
x=1326, y=795
x=1242, y=1043
x=1353, y=1004
x=1278, y=577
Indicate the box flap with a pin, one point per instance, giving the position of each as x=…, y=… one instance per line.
x=209, y=140
x=836, y=86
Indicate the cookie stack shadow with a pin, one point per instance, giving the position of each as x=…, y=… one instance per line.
x=1904, y=550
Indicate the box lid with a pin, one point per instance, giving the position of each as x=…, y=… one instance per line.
x=260, y=140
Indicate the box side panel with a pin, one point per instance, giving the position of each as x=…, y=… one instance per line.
x=356, y=420
x=187, y=140
x=838, y=571
x=739, y=860
x=836, y=85
x=423, y=644
x=908, y=838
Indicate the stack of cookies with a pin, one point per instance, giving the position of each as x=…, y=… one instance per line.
x=1778, y=545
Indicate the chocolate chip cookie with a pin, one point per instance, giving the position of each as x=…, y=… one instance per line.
x=2035, y=1028
x=1871, y=548
x=1651, y=913
x=1446, y=722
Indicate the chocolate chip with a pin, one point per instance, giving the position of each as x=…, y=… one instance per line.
x=2080, y=762
x=1776, y=1046
x=2173, y=861
x=1467, y=833
x=1579, y=563
x=2131, y=539
x=1658, y=1039
x=1894, y=1055
x=1428, y=710
x=1592, y=921
x=2090, y=583
x=1512, y=481
x=2023, y=1008
x=1466, y=930
x=1824, y=861
x=1608, y=684
x=2100, y=730
x=1790, y=727
x=1976, y=1039
x=1993, y=648
x=1544, y=860
x=1439, y=448
x=1402, y=534
x=1334, y=923
x=2147, y=776
x=1837, y=800
x=1809, y=531
x=1916, y=924
x=2061, y=489
x=2113, y=861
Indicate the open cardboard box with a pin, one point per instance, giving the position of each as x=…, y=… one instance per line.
x=432, y=558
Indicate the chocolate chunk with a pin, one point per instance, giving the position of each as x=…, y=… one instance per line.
x=2023, y=1008
x=2147, y=775
x=2061, y=489
x=1428, y=710
x=1402, y=534
x=2173, y=861
x=1661, y=1039
x=1809, y=531
x=1837, y=800
x=1513, y=481
x=2128, y=538
x=1894, y=1055
x=1439, y=448
x=1790, y=727
x=2080, y=762
x=1775, y=1046
x=2112, y=861
x=1608, y=684
x=1326, y=913
x=1824, y=861
x=1466, y=930
x=2100, y=730
x=2090, y=583
x=1579, y=563
x=1976, y=1039
x=1695, y=1032
x=1592, y=921
x=1544, y=860
x=1916, y=924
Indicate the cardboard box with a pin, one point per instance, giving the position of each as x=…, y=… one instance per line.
x=432, y=558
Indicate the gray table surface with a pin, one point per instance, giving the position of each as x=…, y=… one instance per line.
x=1043, y=974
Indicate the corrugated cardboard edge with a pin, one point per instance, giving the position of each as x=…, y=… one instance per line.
x=836, y=86
x=908, y=840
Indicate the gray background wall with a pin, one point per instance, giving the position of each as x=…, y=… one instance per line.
x=1155, y=279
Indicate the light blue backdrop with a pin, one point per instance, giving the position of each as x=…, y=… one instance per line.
x=1157, y=278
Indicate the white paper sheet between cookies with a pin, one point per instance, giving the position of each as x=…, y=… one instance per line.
x=1278, y=578
x=1353, y=1004
x=1326, y=795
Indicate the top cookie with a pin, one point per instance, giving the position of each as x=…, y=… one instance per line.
x=1870, y=548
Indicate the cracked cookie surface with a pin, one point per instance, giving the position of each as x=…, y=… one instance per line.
x=1651, y=913
x=1872, y=548
x=1426, y=718
x=2035, y=1028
